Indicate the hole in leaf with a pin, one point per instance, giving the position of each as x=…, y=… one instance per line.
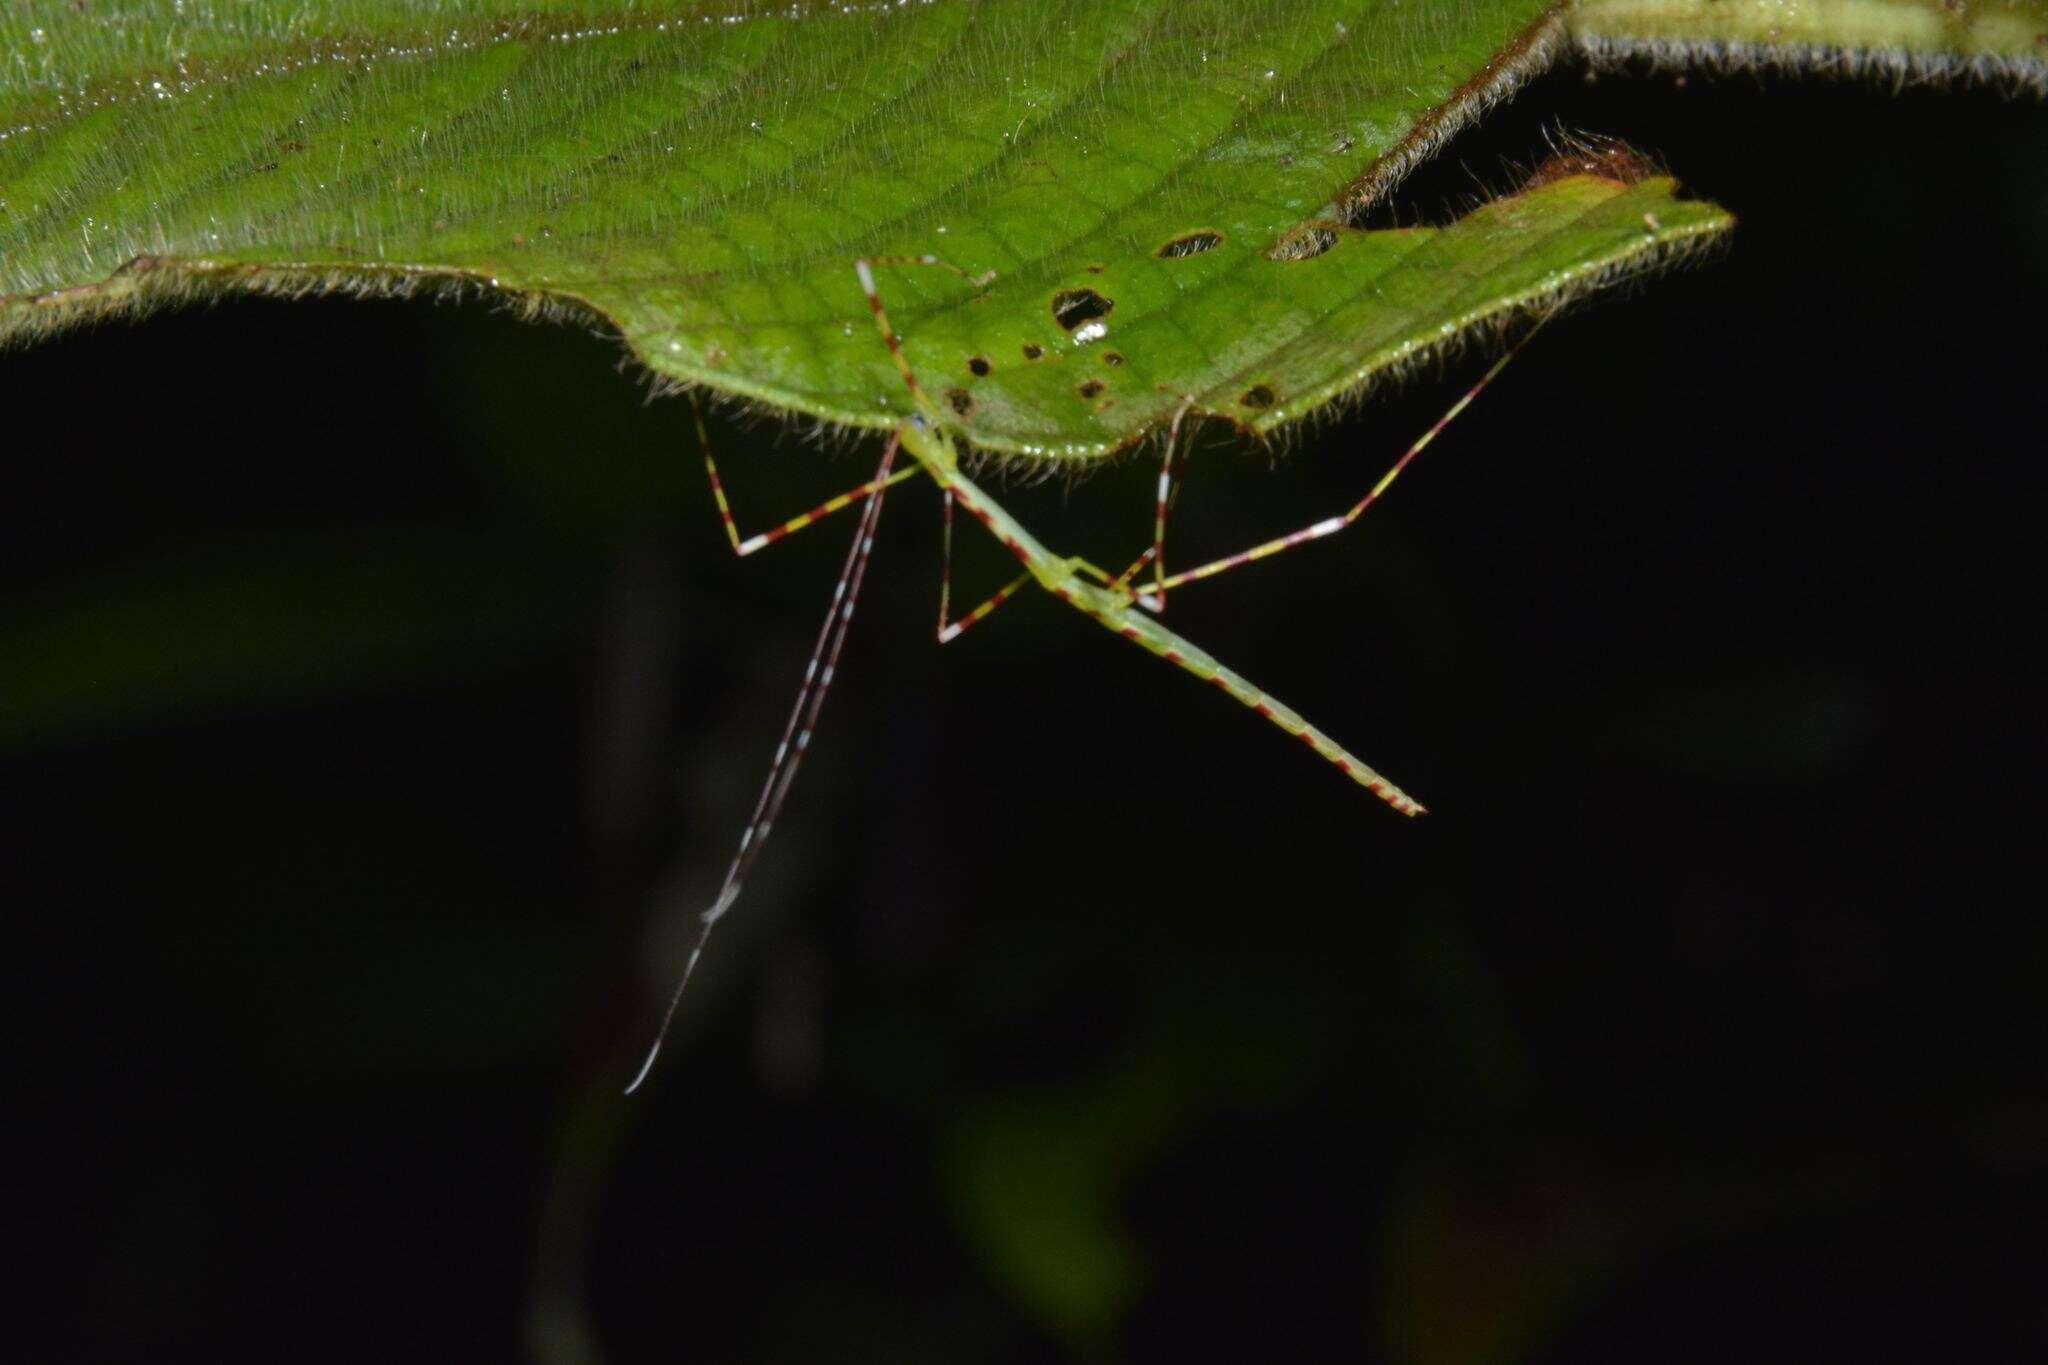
x=977, y=364
x=1072, y=307
x=1032, y=350
x=961, y=401
x=1112, y=359
x=1304, y=242
x=1190, y=244
x=1259, y=396
x=1090, y=387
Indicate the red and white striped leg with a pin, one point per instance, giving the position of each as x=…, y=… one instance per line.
x=864, y=270
x=1332, y=525
x=749, y=544
x=949, y=631
x=1155, y=600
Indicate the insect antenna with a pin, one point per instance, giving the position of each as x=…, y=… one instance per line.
x=796, y=737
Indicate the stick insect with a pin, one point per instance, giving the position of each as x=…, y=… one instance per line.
x=1117, y=602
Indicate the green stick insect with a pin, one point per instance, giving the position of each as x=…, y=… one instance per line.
x=1116, y=602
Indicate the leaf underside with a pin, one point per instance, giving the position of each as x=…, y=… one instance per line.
x=1166, y=191
x=1998, y=42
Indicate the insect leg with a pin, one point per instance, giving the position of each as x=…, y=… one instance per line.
x=762, y=541
x=864, y=268
x=796, y=737
x=927, y=444
x=1169, y=493
x=981, y=281
x=1332, y=525
x=949, y=631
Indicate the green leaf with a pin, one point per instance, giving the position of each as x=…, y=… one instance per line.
x=2001, y=41
x=1167, y=195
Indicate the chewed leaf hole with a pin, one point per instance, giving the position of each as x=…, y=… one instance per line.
x=977, y=364
x=1304, y=242
x=1090, y=387
x=961, y=402
x=1259, y=396
x=1190, y=244
x=1032, y=350
x=1112, y=359
x=1072, y=307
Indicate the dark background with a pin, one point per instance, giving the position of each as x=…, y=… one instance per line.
x=381, y=701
